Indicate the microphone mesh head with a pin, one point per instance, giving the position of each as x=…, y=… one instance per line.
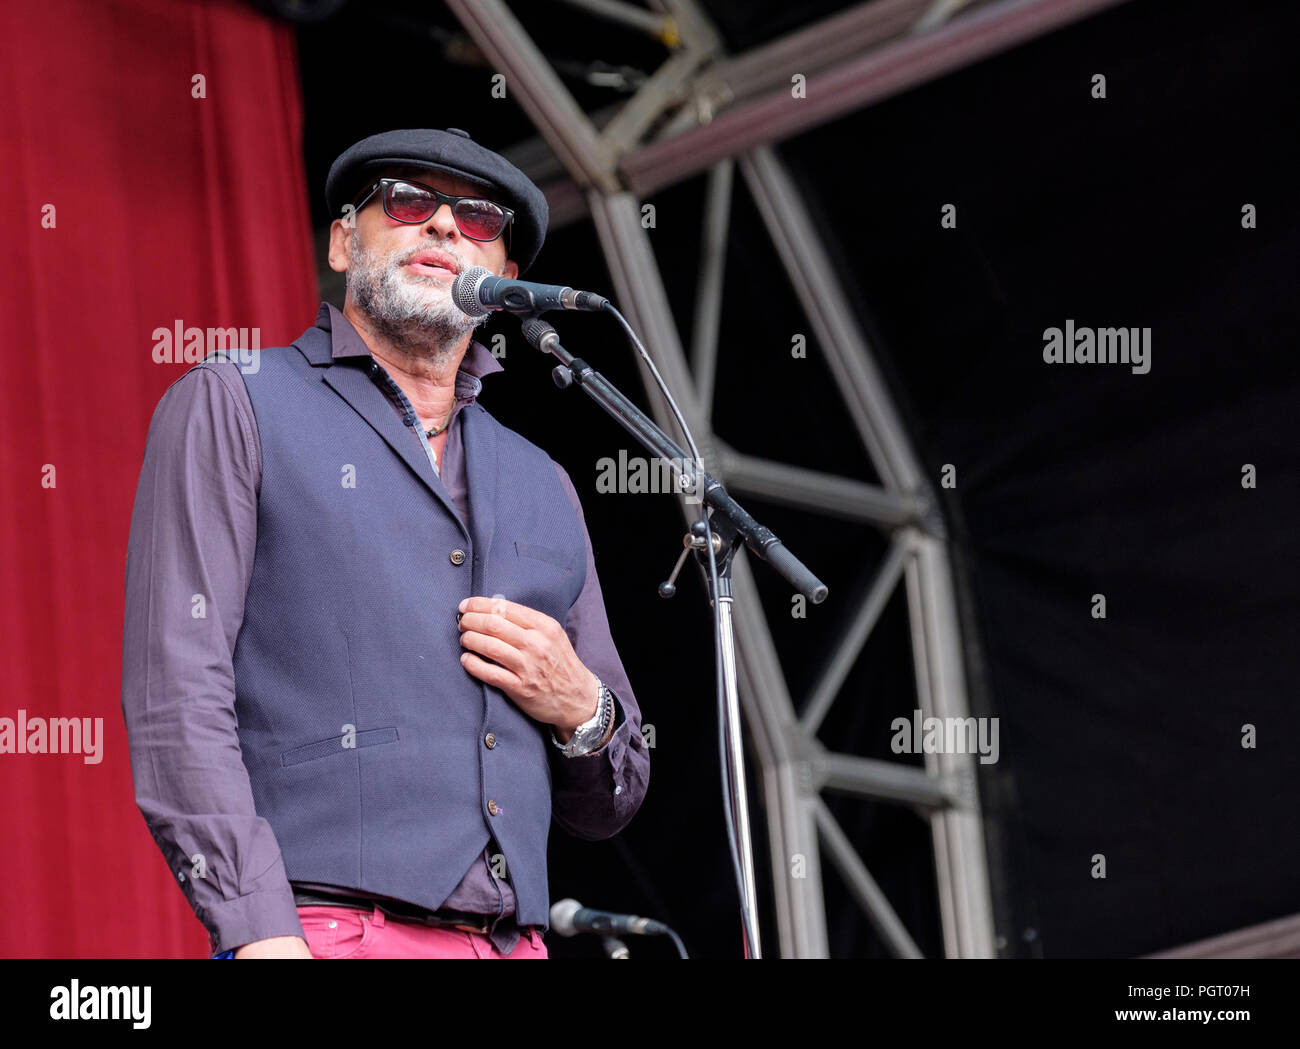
x=562, y=913
x=464, y=291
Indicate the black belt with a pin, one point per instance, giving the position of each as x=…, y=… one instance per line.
x=479, y=923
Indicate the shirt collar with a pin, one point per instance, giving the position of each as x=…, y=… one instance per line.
x=477, y=362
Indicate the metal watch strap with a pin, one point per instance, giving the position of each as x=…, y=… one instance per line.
x=588, y=736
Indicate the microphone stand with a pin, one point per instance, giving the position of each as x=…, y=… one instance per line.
x=729, y=526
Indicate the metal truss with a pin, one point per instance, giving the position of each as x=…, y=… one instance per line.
x=702, y=110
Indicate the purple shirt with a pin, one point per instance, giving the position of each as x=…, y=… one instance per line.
x=202, y=476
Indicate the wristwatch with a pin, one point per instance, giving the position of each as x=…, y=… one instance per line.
x=587, y=736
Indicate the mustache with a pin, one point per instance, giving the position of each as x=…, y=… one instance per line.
x=417, y=252
x=393, y=261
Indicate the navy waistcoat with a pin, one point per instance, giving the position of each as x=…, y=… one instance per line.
x=364, y=737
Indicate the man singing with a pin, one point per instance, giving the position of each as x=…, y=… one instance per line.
x=366, y=657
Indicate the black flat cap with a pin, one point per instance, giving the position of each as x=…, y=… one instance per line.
x=454, y=152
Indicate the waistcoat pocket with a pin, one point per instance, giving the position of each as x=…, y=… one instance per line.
x=334, y=745
x=558, y=558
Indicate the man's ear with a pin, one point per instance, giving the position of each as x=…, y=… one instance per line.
x=340, y=234
x=511, y=270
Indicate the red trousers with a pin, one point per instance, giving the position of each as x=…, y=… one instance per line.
x=345, y=932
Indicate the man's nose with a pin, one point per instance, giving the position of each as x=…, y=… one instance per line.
x=443, y=221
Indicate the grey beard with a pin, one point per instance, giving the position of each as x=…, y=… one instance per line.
x=399, y=311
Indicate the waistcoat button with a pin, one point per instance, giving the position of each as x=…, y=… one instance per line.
x=492, y=807
x=490, y=739
x=457, y=557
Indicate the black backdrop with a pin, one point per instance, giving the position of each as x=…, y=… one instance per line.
x=1119, y=737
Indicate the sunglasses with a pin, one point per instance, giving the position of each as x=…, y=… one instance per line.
x=411, y=202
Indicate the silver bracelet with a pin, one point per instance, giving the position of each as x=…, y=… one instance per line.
x=587, y=736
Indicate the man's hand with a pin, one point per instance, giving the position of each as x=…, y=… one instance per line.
x=275, y=947
x=534, y=663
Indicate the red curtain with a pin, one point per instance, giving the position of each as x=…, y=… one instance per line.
x=129, y=204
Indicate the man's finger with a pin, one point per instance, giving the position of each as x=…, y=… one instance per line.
x=511, y=610
x=493, y=648
x=497, y=626
x=489, y=673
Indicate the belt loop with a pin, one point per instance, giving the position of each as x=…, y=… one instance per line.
x=377, y=918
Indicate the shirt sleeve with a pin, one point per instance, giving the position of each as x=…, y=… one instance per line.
x=188, y=565
x=594, y=796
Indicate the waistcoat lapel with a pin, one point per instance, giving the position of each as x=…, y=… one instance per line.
x=483, y=476
x=355, y=386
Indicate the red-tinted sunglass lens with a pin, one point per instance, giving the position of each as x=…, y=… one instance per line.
x=479, y=219
x=408, y=203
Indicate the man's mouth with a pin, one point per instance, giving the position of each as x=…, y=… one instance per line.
x=435, y=264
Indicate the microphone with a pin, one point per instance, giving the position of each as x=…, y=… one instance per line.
x=569, y=917
x=477, y=292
